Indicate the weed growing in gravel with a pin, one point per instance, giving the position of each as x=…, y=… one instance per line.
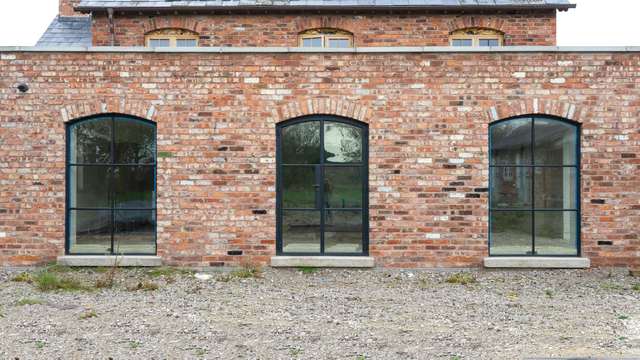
x=144, y=285
x=40, y=344
x=295, y=351
x=29, y=301
x=134, y=344
x=611, y=286
x=88, y=315
x=423, y=283
x=461, y=278
x=1, y=313
x=247, y=271
x=307, y=269
x=200, y=352
x=22, y=277
x=361, y=357
x=456, y=357
x=636, y=287
x=512, y=295
x=623, y=317
x=46, y=281
x=549, y=293
x=169, y=271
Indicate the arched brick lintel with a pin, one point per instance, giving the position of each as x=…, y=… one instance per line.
x=142, y=109
x=316, y=22
x=466, y=22
x=322, y=106
x=171, y=22
x=509, y=109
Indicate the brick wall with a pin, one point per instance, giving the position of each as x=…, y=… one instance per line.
x=428, y=115
x=415, y=29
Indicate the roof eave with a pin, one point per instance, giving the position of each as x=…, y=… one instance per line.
x=87, y=9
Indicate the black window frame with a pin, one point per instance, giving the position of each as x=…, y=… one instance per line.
x=321, y=118
x=532, y=209
x=68, y=165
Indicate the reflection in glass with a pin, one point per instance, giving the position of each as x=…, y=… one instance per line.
x=555, y=188
x=301, y=231
x=301, y=143
x=134, y=186
x=89, y=186
x=555, y=142
x=89, y=231
x=343, y=187
x=90, y=142
x=298, y=187
x=343, y=231
x=511, y=233
x=342, y=143
x=555, y=233
x=510, y=187
x=135, y=142
x=134, y=232
x=511, y=142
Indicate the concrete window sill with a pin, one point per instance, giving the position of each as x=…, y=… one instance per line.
x=537, y=262
x=105, y=260
x=323, y=261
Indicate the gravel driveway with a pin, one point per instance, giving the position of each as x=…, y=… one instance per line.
x=325, y=314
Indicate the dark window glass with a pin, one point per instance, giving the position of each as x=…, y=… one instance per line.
x=511, y=142
x=343, y=231
x=343, y=187
x=186, y=42
x=301, y=231
x=534, y=168
x=489, y=42
x=462, y=42
x=300, y=188
x=301, y=143
x=96, y=191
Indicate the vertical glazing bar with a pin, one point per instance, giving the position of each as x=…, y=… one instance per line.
x=533, y=187
x=111, y=182
x=320, y=177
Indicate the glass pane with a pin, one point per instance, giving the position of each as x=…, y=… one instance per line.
x=343, y=187
x=511, y=142
x=343, y=231
x=301, y=231
x=511, y=233
x=556, y=233
x=90, y=231
x=301, y=143
x=555, y=142
x=342, y=143
x=489, y=42
x=90, y=142
x=89, y=186
x=312, y=42
x=159, y=42
x=510, y=187
x=298, y=187
x=186, y=42
x=462, y=42
x=555, y=188
x=339, y=43
x=135, y=232
x=134, y=186
x=135, y=142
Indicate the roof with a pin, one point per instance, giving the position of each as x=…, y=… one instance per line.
x=67, y=31
x=173, y=5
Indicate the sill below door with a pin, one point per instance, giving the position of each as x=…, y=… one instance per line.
x=537, y=262
x=323, y=261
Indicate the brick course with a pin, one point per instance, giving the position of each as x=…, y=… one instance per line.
x=216, y=134
x=411, y=29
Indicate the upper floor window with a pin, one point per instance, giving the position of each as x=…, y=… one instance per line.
x=171, y=38
x=327, y=38
x=478, y=37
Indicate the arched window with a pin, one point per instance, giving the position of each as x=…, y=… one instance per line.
x=534, y=194
x=327, y=38
x=322, y=192
x=171, y=38
x=111, y=186
x=479, y=37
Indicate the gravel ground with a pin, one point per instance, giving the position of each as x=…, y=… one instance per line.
x=325, y=314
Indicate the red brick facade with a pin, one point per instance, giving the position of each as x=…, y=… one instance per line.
x=409, y=29
x=428, y=116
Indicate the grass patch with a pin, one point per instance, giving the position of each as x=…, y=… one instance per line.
x=22, y=277
x=145, y=286
x=611, y=286
x=246, y=272
x=88, y=315
x=307, y=269
x=47, y=281
x=636, y=287
x=461, y=279
x=29, y=301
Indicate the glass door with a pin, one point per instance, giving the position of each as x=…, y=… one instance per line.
x=322, y=187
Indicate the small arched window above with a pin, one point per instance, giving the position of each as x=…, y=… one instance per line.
x=171, y=38
x=327, y=38
x=478, y=37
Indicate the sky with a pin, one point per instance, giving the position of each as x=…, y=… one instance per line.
x=593, y=23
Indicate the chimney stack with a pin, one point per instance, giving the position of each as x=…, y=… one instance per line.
x=66, y=8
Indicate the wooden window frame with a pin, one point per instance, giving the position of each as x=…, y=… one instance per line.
x=173, y=35
x=326, y=34
x=475, y=35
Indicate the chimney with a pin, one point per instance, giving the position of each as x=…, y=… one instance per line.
x=66, y=8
